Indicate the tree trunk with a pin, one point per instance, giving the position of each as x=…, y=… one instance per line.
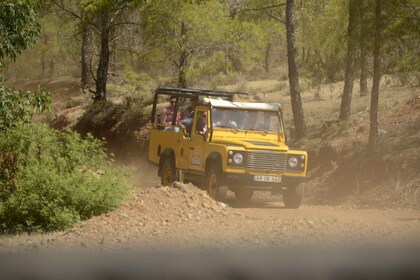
x=182, y=79
x=102, y=71
x=43, y=65
x=267, y=58
x=112, y=69
x=86, y=53
x=44, y=55
x=298, y=117
x=345, y=109
x=363, y=51
x=373, y=132
x=182, y=66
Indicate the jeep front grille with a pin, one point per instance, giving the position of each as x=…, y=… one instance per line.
x=263, y=161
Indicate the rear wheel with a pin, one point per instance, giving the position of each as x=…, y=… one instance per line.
x=243, y=195
x=214, y=188
x=167, y=176
x=292, y=197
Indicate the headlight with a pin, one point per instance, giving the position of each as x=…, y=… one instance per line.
x=238, y=158
x=293, y=161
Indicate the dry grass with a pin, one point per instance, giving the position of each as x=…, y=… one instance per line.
x=327, y=106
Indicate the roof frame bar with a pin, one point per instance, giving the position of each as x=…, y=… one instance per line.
x=189, y=93
x=184, y=92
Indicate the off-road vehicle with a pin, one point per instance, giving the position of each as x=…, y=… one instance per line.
x=237, y=146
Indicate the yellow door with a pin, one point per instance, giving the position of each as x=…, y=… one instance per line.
x=182, y=152
x=196, y=159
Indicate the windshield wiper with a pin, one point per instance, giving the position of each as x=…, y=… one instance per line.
x=262, y=132
x=229, y=127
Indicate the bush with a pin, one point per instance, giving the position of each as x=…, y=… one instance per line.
x=18, y=106
x=222, y=79
x=59, y=179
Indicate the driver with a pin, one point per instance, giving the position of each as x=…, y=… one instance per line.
x=201, y=126
x=223, y=120
x=251, y=121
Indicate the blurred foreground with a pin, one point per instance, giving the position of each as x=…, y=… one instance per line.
x=364, y=262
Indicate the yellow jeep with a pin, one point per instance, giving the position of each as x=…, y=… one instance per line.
x=237, y=146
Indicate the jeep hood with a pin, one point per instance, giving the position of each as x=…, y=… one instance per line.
x=269, y=143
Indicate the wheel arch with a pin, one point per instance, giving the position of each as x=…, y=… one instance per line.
x=167, y=153
x=214, y=159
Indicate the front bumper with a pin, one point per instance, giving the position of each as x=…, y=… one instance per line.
x=234, y=180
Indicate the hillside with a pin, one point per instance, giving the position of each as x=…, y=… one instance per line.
x=350, y=197
x=340, y=172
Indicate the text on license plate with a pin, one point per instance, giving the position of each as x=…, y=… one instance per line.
x=265, y=178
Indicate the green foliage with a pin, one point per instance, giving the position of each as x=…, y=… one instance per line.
x=74, y=101
x=18, y=106
x=322, y=31
x=139, y=82
x=59, y=179
x=222, y=79
x=401, y=40
x=100, y=6
x=203, y=31
x=56, y=54
x=136, y=88
x=19, y=27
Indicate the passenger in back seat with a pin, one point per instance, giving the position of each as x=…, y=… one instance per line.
x=167, y=114
x=188, y=115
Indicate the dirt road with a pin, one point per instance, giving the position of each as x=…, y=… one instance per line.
x=186, y=217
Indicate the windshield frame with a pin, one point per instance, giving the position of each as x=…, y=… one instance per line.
x=278, y=113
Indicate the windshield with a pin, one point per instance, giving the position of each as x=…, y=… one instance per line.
x=268, y=121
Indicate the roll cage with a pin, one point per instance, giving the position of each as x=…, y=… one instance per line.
x=187, y=93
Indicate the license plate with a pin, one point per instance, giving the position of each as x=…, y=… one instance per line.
x=264, y=178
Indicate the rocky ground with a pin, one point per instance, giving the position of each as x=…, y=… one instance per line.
x=183, y=216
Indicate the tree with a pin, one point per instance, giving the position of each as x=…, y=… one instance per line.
x=350, y=59
x=106, y=16
x=86, y=54
x=73, y=9
x=103, y=17
x=275, y=11
x=400, y=37
x=373, y=131
x=321, y=37
x=19, y=27
x=298, y=116
x=187, y=34
x=364, y=31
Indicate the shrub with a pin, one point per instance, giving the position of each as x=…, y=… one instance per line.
x=74, y=101
x=18, y=106
x=222, y=79
x=59, y=179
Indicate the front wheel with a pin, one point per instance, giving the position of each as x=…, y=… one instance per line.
x=292, y=197
x=214, y=188
x=167, y=176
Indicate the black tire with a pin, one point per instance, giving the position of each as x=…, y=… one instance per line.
x=167, y=176
x=244, y=196
x=213, y=185
x=292, y=197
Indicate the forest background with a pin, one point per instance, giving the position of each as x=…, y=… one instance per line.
x=120, y=50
